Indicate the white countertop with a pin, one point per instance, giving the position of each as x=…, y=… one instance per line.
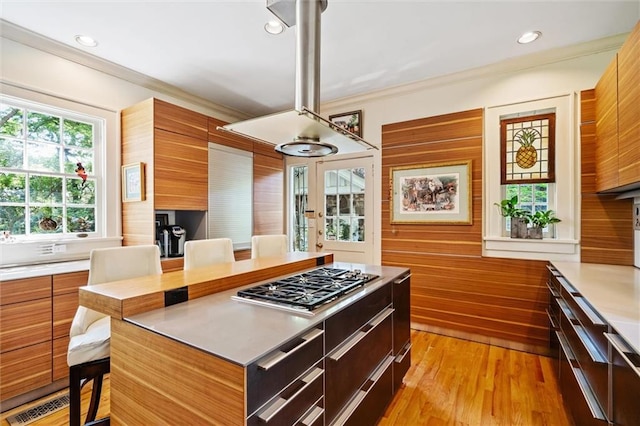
x=40, y=269
x=613, y=291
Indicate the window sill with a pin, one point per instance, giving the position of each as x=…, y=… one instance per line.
x=545, y=249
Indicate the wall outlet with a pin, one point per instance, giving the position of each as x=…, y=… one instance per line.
x=59, y=248
x=636, y=217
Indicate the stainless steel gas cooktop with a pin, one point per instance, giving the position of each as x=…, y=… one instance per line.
x=306, y=291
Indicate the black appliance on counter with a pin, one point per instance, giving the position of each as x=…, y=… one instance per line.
x=306, y=291
x=171, y=239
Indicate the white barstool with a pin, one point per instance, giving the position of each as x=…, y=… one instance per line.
x=268, y=245
x=90, y=335
x=199, y=253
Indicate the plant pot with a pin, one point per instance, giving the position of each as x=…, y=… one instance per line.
x=518, y=227
x=535, y=233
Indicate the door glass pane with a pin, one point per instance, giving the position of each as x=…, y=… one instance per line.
x=344, y=204
x=300, y=192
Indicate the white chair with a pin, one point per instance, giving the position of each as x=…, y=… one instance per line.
x=199, y=253
x=90, y=334
x=268, y=245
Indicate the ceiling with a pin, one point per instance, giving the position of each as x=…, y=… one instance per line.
x=219, y=50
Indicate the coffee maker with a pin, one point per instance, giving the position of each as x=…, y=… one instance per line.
x=172, y=240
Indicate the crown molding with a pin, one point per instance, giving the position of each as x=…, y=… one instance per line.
x=521, y=63
x=37, y=41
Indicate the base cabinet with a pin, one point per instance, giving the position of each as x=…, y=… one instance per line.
x=599, y=373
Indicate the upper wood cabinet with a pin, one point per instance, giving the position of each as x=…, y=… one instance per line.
x=617, y=96
x=629, y=109
x=607, y=128
x=172, y=142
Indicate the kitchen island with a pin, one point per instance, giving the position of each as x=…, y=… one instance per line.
x=216, y=360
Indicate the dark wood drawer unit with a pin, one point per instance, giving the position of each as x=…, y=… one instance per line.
x=370, y=402
x=268, y=376
x=401, y=329
x=589, y=361
x=576, y=391
x=294, y=402
x=625, y=378
x=342, y=325
x=351, y=363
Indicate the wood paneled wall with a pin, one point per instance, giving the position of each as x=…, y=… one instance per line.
x=454, y=289
x=606, y=231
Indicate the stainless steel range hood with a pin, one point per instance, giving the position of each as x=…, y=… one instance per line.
x=302, y=132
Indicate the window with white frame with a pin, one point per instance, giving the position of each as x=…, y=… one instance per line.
x=48, y=181
x=558, y=195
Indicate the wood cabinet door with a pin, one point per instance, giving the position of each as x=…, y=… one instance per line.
x=22, y=290
x=25, y=369
x=175, y=119
x=180, y=172
x=629, y=109
x=65, y=300
x=24, y=324
x=607, y=129
x=60, y=366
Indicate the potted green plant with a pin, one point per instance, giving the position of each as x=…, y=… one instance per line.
x=540, y=220
x=519, y=217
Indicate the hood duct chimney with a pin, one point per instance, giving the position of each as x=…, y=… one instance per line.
x=302, y=132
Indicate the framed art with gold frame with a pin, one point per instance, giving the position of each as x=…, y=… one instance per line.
x=438, y=193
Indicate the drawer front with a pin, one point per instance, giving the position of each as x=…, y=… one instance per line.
x=592, y=363
x=64, y=309
x=270, y=375
x=593, y=325
x=60, y=366
x=575, y=391
x=372, y=399
x=16, y=291
x=351, y=363
x=625, y=383
x=25, y=324
x=401, y=316
x=343, y=324
x=24, y=370
x=291, y=404
x=401, y=364
x=69, y=283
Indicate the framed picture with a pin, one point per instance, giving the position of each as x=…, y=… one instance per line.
x=351, y=121
x=431, y=193
x=133, y=182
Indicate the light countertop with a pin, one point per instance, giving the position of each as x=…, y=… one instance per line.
x=613, y=291
x=40, y=269
x=241, y=332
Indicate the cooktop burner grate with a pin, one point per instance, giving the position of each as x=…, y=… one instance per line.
x=308, y=290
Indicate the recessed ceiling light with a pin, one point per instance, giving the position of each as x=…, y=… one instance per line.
x=529, y=37
x=86, y=41
x=274, y=27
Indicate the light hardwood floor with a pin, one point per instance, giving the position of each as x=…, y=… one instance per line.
x=450, y=382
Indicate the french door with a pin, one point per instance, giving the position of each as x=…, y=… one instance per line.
x=332, y=208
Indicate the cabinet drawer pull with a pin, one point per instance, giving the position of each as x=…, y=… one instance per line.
x=552, y=320
x=584, y=338
x=314, y=415
x=564, y=283
x=279, y=405
x=589, y=312
x=568, y=353
x=346, y=347
x=381, y=369
x=403, y=279
x=623, y=349
x=280, y=356
x=552, y=290
x=404, y=353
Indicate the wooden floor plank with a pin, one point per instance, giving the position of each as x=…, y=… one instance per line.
x=450, y=382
